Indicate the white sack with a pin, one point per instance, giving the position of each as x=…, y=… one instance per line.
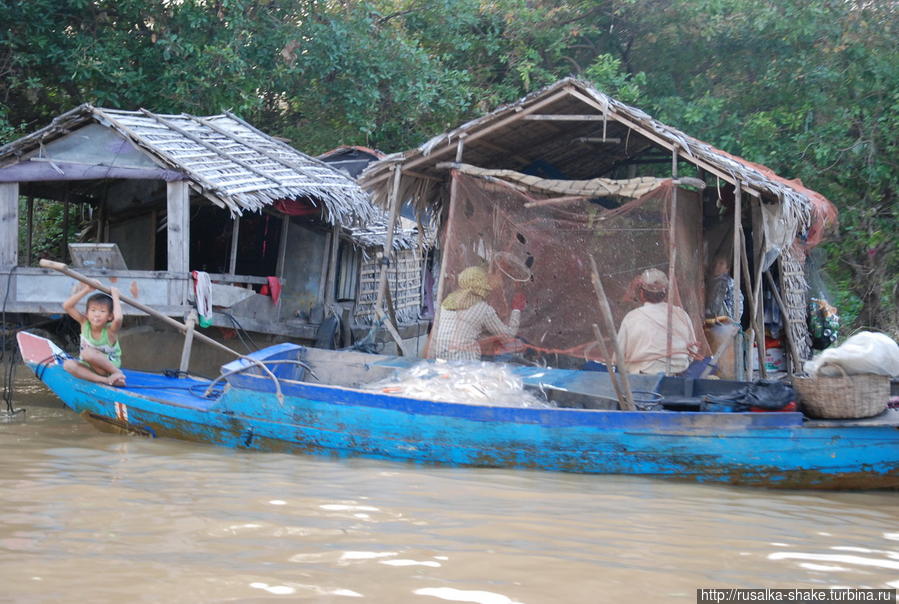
x=865, y=352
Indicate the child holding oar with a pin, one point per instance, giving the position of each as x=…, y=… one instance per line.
x=101, y=353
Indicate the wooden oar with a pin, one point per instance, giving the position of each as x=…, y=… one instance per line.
x=65, y=270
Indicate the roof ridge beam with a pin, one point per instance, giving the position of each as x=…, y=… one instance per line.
x=565, y=117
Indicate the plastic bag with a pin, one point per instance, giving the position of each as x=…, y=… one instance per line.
x=865, y=352
x=761, y=395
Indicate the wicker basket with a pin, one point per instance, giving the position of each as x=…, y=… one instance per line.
x=843, y=396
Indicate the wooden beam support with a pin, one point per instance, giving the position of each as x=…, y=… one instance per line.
x=559, y=117
x=605, y=312
x=178, y=235
x=672, y=263
x=738, y=253
x=235, y=240
x=9, y=224
x=796, y=364
x=282, y=246
x=188, y=341
x=441, y=276
x=331, y=282
x=473, y=136
x=64, y=240
x=383, y=291
x=758, y=303
x=29, y=244
x=597, y=140
x=394, y=201
x=664, y=143
x=323, y=275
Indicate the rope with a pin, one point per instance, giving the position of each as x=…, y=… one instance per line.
x=241, y=332
x=11, y=360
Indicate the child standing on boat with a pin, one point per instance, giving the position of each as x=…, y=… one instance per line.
x=101, y=353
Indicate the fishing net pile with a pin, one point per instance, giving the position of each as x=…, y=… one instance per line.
x=460, y=382
x=539, y=241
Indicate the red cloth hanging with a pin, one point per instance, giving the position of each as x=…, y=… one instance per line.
x=274, y=288
x=294, y=207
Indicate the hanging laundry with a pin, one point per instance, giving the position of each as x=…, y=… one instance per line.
x=274, y=288
x=203, y=295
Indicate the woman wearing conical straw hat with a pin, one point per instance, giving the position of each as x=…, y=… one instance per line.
x=465, y=315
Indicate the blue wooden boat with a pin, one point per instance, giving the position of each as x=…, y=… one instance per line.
x=292, y=399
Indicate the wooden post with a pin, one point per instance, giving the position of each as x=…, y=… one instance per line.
x=395, y=203
x=784, y=311
x=282, y=246
x=282, y=255
x=323, y=275
x=672, y=262
x=441, y=277
x=607, y=355
x=235, y=239
x=9, y=224
x=738, y=247
x=101, y=221
x=331, y=284
x=29, y=245
x=756, y=326
x=758, y=304
x=188, y=341
x=178, y=235
x=383, y=293
x=627, y=402
x=64, y=240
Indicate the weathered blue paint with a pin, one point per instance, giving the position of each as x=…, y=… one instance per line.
x=766, y=449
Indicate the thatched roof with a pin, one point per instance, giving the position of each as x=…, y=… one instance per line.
x=406, y=235
x=228, y=161
x=572, y=127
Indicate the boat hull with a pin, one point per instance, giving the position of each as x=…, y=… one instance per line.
x=758, y=449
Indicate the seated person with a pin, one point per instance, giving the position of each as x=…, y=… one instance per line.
x=465, y=315
x=101, y=353
x=643, y=335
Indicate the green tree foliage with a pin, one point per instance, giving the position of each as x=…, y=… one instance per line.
x=809, y=88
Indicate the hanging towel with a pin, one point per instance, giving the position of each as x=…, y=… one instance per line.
x=274, y=287
x=203, y=294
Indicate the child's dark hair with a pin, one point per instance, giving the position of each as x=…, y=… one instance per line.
x=101, y=299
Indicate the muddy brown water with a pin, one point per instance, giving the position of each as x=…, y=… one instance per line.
x=90, y=517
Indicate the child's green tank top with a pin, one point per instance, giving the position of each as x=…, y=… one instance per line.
x=113, y=352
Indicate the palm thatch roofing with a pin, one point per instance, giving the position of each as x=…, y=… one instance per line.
x=572, y=127
x=407, y=234
x=225, y=159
